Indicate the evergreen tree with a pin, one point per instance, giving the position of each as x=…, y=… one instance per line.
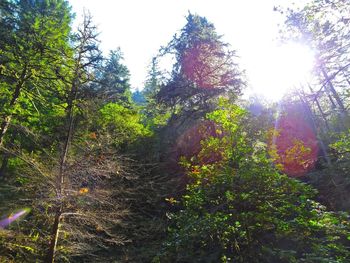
x=205, y=68
x=113, y=80
x=155, y=113
x=36, y=40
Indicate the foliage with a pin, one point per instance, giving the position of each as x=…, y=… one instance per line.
x=124, y=125
x=37, y=35
x=113, y=80
x=204, y=68
x=342, y=146
x=324, y=27
x=333, y=182
x=292, y=143
x=240, y=209
x=155, y=114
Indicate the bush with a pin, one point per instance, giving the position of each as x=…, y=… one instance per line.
x=241, y=209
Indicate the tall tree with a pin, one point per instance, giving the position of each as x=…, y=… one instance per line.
x=155, y=113
x=205, y=67
x=86, y=56
x=113, y=80
x=34, y=41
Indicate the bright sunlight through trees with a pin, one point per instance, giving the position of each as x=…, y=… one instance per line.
x=284, y=68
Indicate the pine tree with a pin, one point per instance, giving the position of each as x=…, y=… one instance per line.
x=205, y=68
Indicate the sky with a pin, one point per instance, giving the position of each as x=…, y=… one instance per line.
x=141, y=27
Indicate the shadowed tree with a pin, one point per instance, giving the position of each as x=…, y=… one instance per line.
x=205, y=68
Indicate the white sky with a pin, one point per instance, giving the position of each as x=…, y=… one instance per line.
x=140, y=27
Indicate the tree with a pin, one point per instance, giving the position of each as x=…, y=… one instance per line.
x=155, y=113
x=6, y=21
x=113, y=80
x=87, y=55
x=37, y=36
x=153, y=82
x=324, y=26
x=35, y=39
x=122, y=123
x=204, y=68
x=138, y=98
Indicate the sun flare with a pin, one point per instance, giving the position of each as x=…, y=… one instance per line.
x=283, y=68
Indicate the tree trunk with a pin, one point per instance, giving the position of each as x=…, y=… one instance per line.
x=72, y=97
x=3, y=167
x=333, y=91
x=54, y=236
x=4, y=127
x=314, y=127
x=7, y=118
x=61, y=175
x=320, y=108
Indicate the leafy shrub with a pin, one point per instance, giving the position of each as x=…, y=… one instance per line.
x=241, y=209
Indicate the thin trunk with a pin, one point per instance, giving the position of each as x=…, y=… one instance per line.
x=4, y=127
x=86, y=35
x=320, y=109
x=61, y=175
x=5, y=124
x=4, y=163
x=6, y=156
x=314, y=127
x=334, y=105
x=54, y=236
x=7, y=118
x=333, y=91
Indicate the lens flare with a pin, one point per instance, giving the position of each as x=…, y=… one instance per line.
x=189, y=145
x=206, y=65
x=13, y=217
x=83, y=190
x=293, y=145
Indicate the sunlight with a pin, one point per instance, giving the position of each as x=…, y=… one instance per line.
x=283, y=68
